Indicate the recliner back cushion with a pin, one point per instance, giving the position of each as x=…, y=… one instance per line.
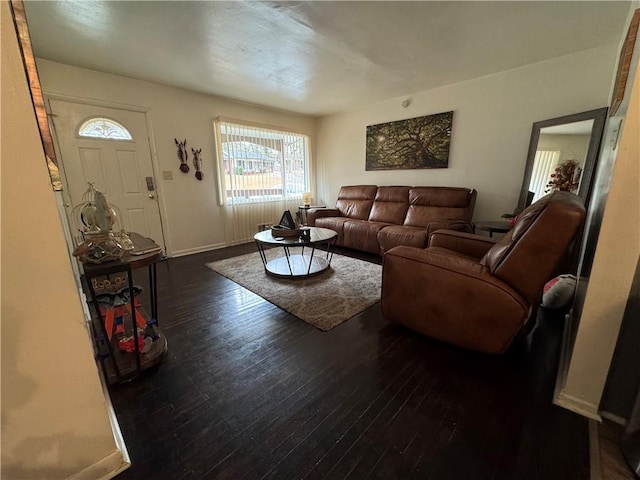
x=390, y=205
x=528, y=255
x=355, y=201
x=429, y=204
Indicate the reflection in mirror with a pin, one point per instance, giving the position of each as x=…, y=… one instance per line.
x=559, y=158
x=562, y=155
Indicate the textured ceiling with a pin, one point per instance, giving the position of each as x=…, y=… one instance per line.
x=315, y=57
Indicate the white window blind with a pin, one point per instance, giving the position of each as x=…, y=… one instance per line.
x=544, y=164
x=261, y=164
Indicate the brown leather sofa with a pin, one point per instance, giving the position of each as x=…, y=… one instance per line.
x=374, y=219
x=474, y=292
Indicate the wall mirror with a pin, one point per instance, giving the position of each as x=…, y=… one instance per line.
x=567, y=148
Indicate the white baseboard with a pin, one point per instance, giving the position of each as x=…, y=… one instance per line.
x=115, y=426
x=103, y=469
x=565, y=356
x=189, y=251
x=577, y=405
x=613, y=417
x=118, y=460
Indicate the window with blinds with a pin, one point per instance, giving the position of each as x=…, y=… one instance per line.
x=261, y=164
x=544, y=164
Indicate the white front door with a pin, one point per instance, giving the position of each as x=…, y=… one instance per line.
x=121, y=169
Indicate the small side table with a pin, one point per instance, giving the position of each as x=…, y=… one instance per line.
x=302, y=210
x=492, y=227
x=116, y=277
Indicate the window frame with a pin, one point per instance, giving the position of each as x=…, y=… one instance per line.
x=220, y=161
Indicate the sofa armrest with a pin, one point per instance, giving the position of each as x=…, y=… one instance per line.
x=449, y=298
x=475, y=246
x=314, y=213
x=458, y=225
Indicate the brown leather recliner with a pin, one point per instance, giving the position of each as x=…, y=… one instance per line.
x=474, y=292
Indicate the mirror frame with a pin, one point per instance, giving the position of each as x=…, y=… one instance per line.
x=599, y=116
x=37, y=98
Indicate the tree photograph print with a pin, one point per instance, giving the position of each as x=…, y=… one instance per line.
x=421, y=142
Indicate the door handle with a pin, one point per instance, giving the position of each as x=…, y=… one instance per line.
x=152, y=196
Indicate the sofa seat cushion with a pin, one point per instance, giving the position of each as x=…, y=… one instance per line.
x=395, y=235
x=333, y=223
x=363, y=235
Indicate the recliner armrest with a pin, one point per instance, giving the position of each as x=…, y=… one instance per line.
x=314, y=213
x=469, y=244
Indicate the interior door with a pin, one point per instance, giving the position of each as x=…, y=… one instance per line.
x=119, y=168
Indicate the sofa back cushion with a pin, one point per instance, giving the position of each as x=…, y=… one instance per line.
x=390, y=205
x=529, y=255
x=430, y=204
x=355, y=201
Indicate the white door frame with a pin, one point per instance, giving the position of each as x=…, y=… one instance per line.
x=155, y=166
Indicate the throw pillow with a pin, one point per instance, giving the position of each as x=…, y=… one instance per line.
x=558, y=292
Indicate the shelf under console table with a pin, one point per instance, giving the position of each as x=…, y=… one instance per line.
x=127, y=340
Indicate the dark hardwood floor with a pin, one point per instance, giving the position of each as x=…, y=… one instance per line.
x=248, y=391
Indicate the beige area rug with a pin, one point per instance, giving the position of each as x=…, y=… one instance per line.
x=324, y=300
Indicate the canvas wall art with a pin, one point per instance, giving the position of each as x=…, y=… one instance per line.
x=421, y=142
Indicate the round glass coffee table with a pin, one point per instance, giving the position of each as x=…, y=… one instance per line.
x=297, y=265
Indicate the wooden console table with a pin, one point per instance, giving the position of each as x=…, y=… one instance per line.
x=113, y=295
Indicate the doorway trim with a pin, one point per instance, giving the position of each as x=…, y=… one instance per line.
x=150, y=139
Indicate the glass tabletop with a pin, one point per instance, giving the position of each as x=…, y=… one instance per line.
x=317, y=235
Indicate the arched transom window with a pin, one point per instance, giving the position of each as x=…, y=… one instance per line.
x=99, y=127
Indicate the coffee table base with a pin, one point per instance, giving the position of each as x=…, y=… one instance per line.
x=297, y=266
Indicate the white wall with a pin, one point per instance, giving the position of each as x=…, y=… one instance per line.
x=614, y=262
x=54, y=418
x=193, y=220
x=491, y=128
x=571, y=147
